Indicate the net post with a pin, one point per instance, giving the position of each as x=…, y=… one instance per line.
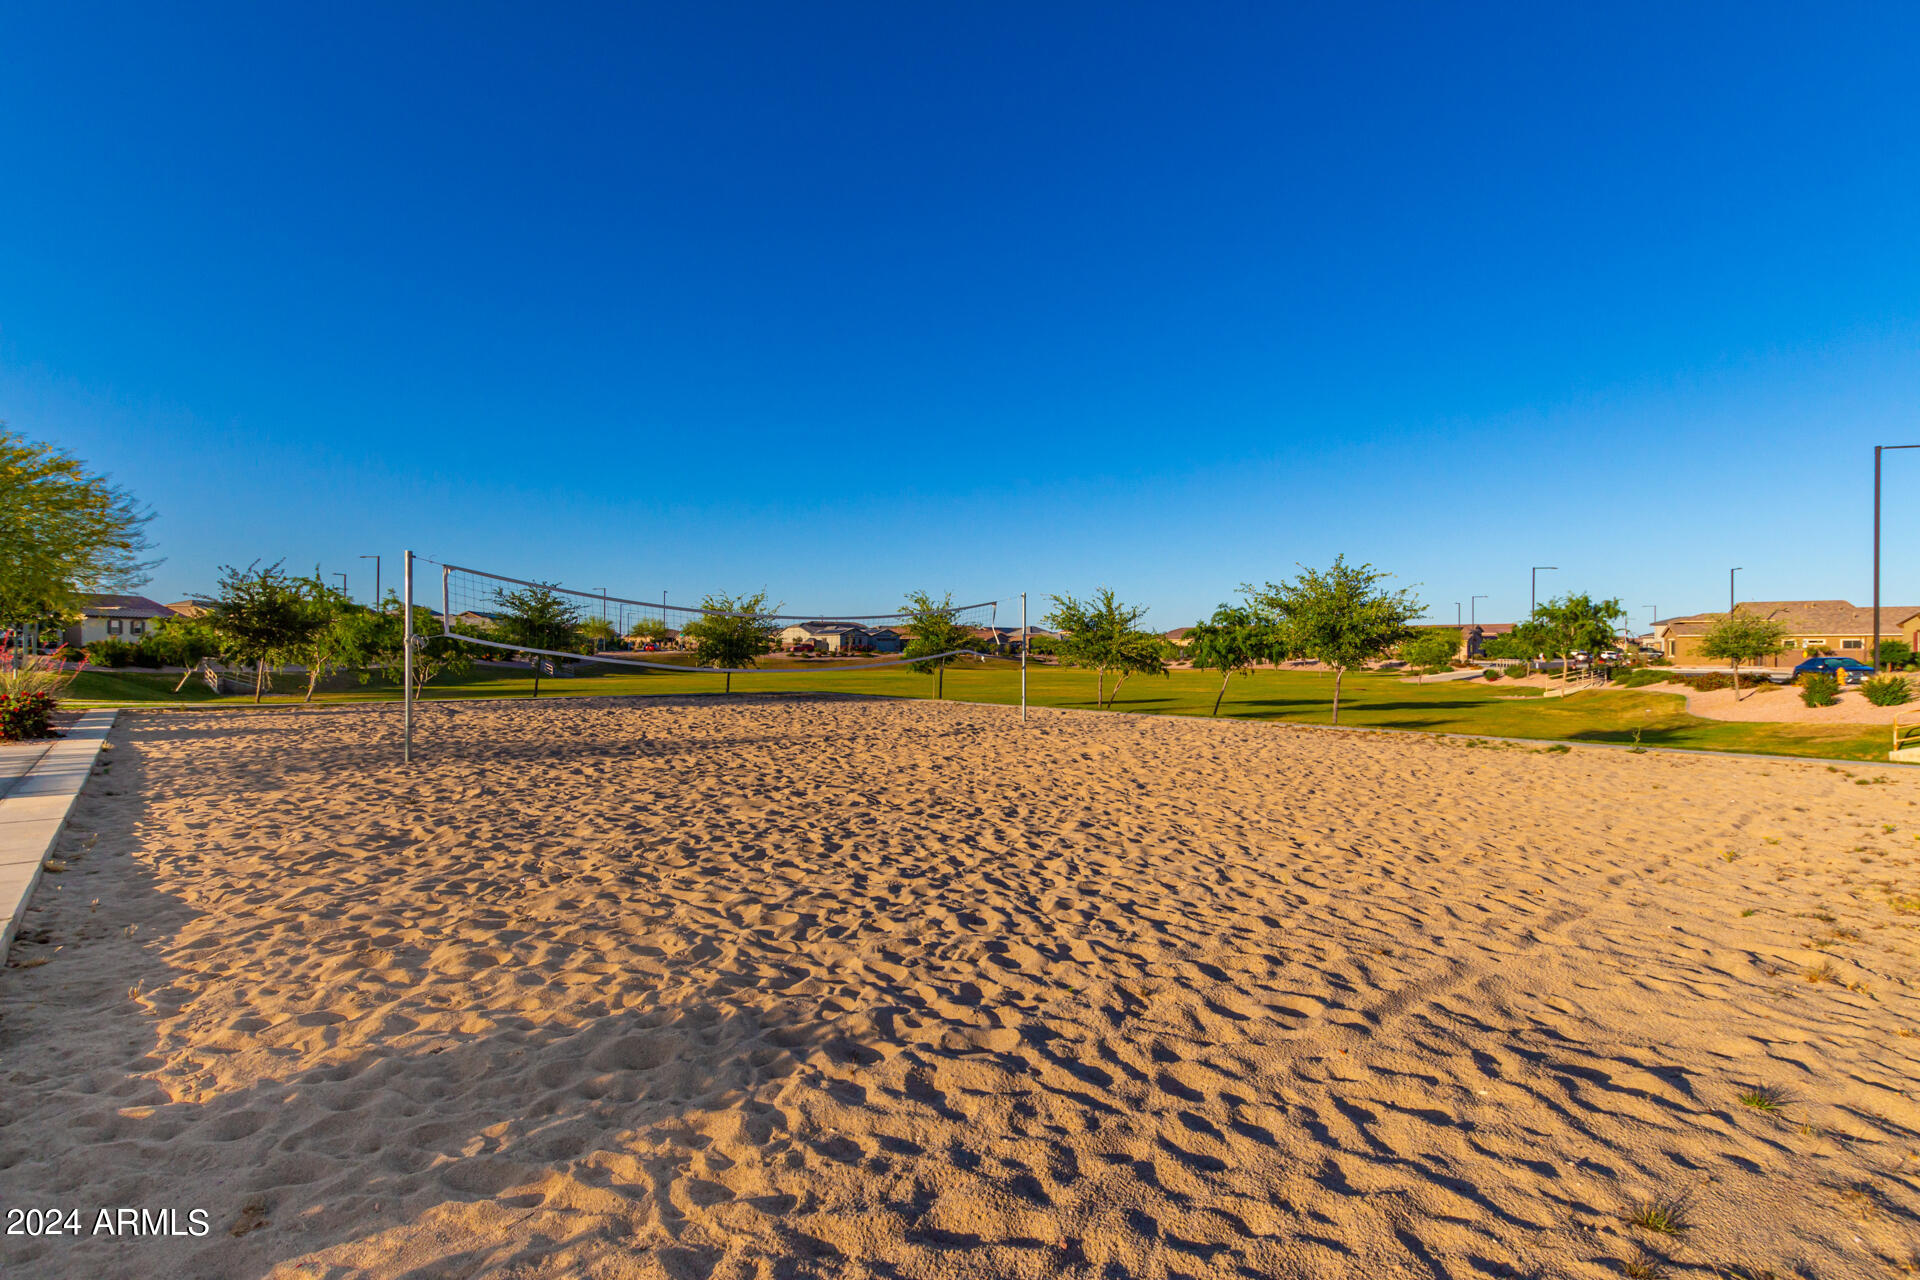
x=1026, y=640
x=446, y=603
x=406, y=663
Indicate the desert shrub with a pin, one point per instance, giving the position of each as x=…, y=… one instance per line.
x=110, y=653
x=1492, y=673
x=25, y=715
x=1659, y=660
x=1819, y=690
x=1888, y=691
x=1519, y=672
x=22, y=672
x=1643, y=676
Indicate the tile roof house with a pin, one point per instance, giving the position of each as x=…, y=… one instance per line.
x=113, y=617
x=826, y=637
x=1838, y=625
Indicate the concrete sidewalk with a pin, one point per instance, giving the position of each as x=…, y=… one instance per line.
x=34, y=804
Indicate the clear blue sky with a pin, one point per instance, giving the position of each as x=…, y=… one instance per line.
x=847, y=299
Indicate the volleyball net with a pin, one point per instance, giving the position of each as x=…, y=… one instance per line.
x=520, y=616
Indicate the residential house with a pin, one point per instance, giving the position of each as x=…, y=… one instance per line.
x=108, y=617
x=826, y=637
x=1181, y=636
x=1474, y=637
x=189, y=608
x=888, y=639
x=480, y=619
x=1812, y=625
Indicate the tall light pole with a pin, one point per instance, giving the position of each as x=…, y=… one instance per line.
x=1731, y=606
x=343, y=582
x=1877, y=451
x=1456, y=613
x=1533, y=593
x=1473, y=613
x=376, y=579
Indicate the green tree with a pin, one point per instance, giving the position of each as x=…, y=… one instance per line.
x=1742, y=637
x=1340, y=616
x=63, y=531
x=1430, y=651
x=732, y=632
x=260, y=616
x=1105, y=633
x=182, y=642
x=325, y=640
x=537, y=618
x=1895, y=654
x=598, y=633
x=649, y=631
x=1573, y=623
x=376, y=641
x=936, y=631
x=1233, y=639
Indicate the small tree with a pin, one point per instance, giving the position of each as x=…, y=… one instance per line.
x=260, y=615
x=324, y=641
x=1104, y=633
x=732, y=632
x=538, y=618
x=598, y=634
x=1340, y=616
x=378, y=640
x=1895, y=654
x=936, y=630
x=1571, y=623
x=63, y=530
x=182, y=642
x=1428, y=652
x=1234, y=639
x=649, y=631
x=1742, y=637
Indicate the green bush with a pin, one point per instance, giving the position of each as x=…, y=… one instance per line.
x=1519, y=673
x=25, y=715
x=1643, y=676
x=110, y=653
x=1492, y=673
x=1888, y=691
x=1819, y=690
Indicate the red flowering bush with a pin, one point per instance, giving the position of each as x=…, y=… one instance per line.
x=26, y=715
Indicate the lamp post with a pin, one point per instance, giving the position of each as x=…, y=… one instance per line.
x=600, y=640
x=343, y=582
x=1877, y=451
x=1456, y=613
x=1730, y=604
x=376, y=579
x=1533, y=593
x=1473, y=615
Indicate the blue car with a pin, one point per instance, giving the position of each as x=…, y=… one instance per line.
x=1845, y=670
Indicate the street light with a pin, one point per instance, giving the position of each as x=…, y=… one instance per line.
x=1731, y=606
x=376, y=579
x=1533, y=594
x=343, y=582
x=1473, y=618
x=1877, y=451
x=1456, y=613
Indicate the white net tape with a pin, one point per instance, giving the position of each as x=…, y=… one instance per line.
x=476, y=607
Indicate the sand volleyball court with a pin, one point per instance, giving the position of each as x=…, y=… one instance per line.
x=761, y=987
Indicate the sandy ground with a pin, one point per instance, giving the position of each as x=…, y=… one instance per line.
x=812, y=987
x=1783, y=703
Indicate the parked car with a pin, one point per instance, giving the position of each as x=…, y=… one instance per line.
x=1612, y=655
x=1845, y=670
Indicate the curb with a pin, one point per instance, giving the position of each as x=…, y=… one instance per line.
x=35, y=810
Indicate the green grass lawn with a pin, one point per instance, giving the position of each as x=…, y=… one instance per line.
x=1368, y=701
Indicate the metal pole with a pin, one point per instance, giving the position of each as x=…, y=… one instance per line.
x=1533, y=594
x=1026, y=642
x=1876, y=560
x=406, y=666
x=1731, y=606
x=1473, y=611
x=343, y=582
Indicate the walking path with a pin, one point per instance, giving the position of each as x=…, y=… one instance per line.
x=38, y=785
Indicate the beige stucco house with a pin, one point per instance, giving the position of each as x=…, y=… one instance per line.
x=105, y=617
x=1824, y=625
